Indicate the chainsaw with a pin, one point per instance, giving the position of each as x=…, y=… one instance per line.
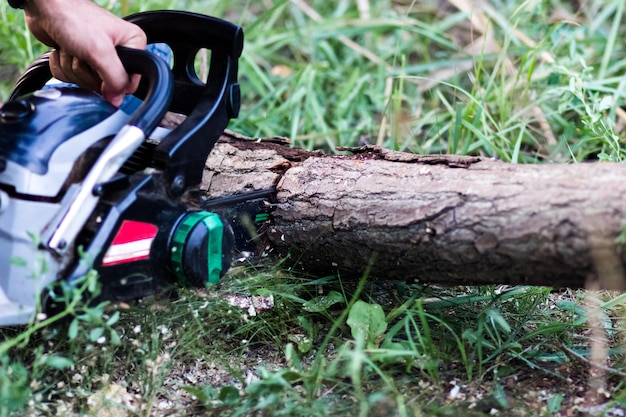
x=86, y=186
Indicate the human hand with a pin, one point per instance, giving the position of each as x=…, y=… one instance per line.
x=85, y=37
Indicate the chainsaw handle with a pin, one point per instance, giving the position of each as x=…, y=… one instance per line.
x=157, y=82
x=208, y=104
x=34, y=78
x=159, y=86
x=186, y=33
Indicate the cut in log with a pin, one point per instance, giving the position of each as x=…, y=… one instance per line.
x=437, y=219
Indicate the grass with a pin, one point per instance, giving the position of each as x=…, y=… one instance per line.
x=524, y=82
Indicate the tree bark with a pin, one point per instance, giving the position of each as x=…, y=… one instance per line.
x=434, y=218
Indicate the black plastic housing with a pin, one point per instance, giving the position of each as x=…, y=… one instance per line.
x=208, y=106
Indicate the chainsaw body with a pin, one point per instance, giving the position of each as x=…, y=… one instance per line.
x=84, y=185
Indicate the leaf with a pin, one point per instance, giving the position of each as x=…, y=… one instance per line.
x=306, y=324
x=36, y=239
x=292, y=357
x=500, y=396
x=304, y=343
x=573, y=307
x=367, y=321
x=554, y=403
x=95, y=334
x=497, y=319
x=319, y=304
x=204, y=394
x=115, y=338
x=604, y=104
x=58, y=362
x=20, y=262
x=620, y=300
x=72, y=331
x=229, y=395
x=92, y=281
x=113, y=319
x=15, y=391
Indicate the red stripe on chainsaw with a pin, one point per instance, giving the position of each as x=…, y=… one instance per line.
x=131, y=243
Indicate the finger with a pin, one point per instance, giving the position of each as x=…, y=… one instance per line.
x=134, y=83
x=55, y=67
x=85, y=75
x=65, y=66
x=115, y=81
x=70, y=69
x=53, y=62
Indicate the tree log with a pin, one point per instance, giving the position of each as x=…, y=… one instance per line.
x=434, y=218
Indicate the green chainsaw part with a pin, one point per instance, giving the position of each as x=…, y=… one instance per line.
x=199, y=234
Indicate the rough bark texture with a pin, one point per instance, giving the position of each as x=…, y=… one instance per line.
x=439, y=219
